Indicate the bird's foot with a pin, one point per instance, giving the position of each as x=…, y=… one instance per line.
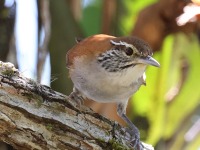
x=133, y=136
x=77, y=97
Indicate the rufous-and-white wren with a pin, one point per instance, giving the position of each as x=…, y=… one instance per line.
x=105, y=68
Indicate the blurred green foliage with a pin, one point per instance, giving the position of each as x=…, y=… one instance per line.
x=91, y=21
x=130, y=13
x=168, y=115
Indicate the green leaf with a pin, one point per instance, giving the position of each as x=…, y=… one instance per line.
x=91, y=21
x=188, y=98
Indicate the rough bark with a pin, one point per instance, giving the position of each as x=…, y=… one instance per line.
x=33, y=116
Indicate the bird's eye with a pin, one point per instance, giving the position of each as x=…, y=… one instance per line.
x=129, y=51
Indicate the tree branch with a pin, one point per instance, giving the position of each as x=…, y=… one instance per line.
x=33, y=116
x=43, y=48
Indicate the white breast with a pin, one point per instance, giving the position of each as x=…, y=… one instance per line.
x=99, y=85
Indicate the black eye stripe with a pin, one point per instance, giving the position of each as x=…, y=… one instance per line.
x=128, y=66
x=114, y=60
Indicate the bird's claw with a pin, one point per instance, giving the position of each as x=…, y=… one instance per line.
x=133, y=136
x=79, y=100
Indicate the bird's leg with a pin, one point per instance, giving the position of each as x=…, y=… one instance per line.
x=77, y=97
x=132, y=129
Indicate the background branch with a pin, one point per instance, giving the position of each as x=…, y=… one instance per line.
x=46, y=25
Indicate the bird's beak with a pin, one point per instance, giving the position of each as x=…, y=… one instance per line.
x=148, y=61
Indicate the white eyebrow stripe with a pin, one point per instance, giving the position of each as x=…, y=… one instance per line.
x=125, y=44
x=121, y=43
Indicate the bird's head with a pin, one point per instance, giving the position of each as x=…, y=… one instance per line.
x=125, y=53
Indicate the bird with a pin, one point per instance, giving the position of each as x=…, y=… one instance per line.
x=106, y=68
